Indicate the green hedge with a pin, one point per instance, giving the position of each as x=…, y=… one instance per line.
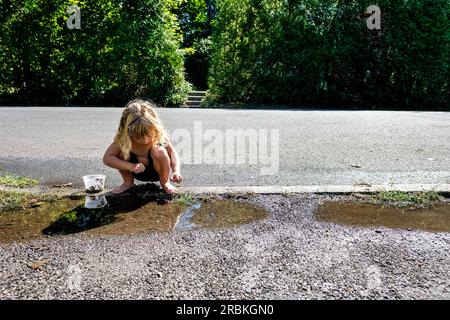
x=311, y=52
x=124, y=49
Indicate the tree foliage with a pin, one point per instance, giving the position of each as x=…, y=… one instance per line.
x=311, y=52
x=124, y=49
x=296, y=52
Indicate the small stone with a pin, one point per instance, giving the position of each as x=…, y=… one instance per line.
x=378, y=231
x=37, y=204
x=36, y=265
x=66, y=185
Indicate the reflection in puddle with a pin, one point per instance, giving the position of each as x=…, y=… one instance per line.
x=219, y=214
x=29, y=223
x=370, y=215
x=185, y=220
x=122, y=215
x=95, y=201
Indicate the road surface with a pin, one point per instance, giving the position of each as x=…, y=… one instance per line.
x=289, y=147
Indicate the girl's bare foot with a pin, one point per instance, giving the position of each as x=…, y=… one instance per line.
x=169, y=188
x=122, y=188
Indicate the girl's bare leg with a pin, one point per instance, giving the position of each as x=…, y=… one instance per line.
x=128, y=181
x=161, y=162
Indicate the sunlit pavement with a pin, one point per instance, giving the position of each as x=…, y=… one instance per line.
x=60, y=145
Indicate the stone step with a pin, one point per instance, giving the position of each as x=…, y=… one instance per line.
x=197, y=93
x=194, y=98
x=194, y=103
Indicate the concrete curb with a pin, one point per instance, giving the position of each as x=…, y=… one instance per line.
x=441, y=188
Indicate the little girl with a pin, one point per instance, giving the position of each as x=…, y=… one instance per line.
x=141, y=149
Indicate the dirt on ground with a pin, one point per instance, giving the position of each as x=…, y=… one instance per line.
x=290, y=254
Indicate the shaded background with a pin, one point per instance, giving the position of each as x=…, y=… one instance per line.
x=299, y=53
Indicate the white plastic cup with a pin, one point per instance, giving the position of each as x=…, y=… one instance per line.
x=94, y=183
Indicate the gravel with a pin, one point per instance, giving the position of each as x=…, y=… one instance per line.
x=290, y=255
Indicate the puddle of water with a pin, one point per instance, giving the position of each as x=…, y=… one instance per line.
x=185, y=220
x=370, y=215
x=121, y=215
x=219, y=214
x=29, y=223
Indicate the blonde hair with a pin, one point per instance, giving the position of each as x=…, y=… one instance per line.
x=139, y=120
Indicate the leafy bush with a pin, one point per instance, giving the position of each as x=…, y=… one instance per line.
x=313, y=52
x=124, y=49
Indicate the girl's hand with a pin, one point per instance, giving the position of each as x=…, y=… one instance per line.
x=176, y=177
x=137, y=168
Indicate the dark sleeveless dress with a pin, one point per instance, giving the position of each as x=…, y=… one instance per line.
x=149, y=174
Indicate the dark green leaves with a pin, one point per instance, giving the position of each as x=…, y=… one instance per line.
x=310, y=52
x=124, y=49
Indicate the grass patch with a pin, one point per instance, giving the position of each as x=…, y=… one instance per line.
x=399, y=199
x=208, y=197
x=11, y=180
x=50, y=198
x=185, y=199
x=289, y=194
x=14, y=201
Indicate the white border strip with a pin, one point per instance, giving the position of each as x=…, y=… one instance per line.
x=320, y=189
x=443, y=187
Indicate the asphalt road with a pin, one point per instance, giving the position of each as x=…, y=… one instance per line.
x=61, y=144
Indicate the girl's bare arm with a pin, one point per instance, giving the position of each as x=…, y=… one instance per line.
x=175, y=161
x=112, y=159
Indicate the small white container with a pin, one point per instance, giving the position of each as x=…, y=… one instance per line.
x=94, y=183
x=95, y=201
